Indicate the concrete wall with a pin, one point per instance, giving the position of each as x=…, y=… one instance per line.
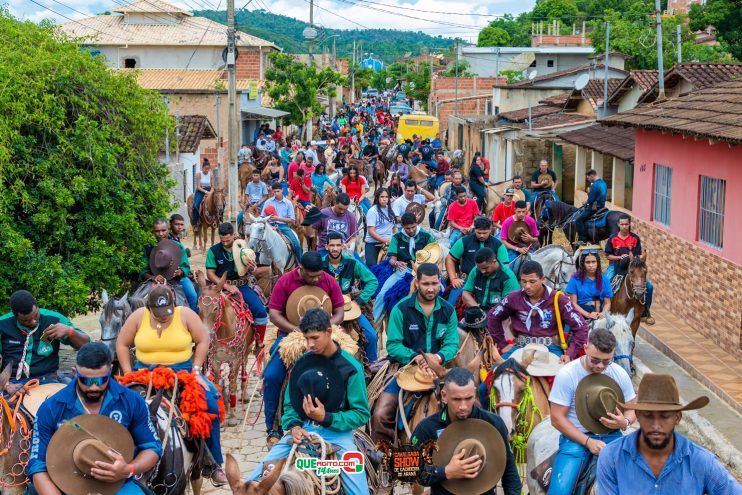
x=165, y=57
x=485, y=64
x=629, y=99
x=509, y=99
x=689, y=159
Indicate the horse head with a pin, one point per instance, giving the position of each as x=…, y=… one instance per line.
x=257, y=231
x=620, y=327
x=210, y=301
x=114, y=314
x=509, y=384
x=220, y=203
x=637, y=278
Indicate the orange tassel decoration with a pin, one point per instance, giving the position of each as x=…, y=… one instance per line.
x=192, y=396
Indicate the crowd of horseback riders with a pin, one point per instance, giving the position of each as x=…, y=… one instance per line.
x=384, y=332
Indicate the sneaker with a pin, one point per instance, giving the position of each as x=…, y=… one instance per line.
x=649, y=320
x=273, y=438
x=218, y=478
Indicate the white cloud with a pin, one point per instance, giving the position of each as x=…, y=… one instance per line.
x=415, y=15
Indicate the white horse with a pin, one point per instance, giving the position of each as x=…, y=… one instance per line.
x=620, y=327
x=542, y=444
x=265, y=240
x=557, y=263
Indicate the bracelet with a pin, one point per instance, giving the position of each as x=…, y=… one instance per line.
x=197, y=368
x=587, y=439
x=72, y=331
x=131, y=470
x=628, y=423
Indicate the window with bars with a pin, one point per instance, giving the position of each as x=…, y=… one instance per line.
x=662, y=194
x=711, y=211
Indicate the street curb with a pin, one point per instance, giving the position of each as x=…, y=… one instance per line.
x=701, y=428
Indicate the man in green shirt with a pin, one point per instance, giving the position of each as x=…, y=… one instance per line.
x=488, y=282
x=460, y=259
x=352, y=276
x=161, y=231
x=421, y=323
x=325, y=395
x=30, y=338
x=402, y=249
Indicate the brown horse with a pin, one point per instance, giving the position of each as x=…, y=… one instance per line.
x=304, y=232
x=245, y=175
x=275, y=482
x=210, y=215
x=231, y=331
x=631, y=293
x=15, y=437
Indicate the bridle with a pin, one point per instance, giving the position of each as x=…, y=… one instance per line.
x=261, y=244
x=638, y=291
x=559, y=280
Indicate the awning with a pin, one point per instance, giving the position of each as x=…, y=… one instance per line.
x=259, y=112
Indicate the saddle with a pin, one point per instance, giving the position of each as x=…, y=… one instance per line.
x=598, y=219
x=34, y=397
x=542, y=474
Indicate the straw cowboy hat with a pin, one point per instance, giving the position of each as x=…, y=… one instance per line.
x=319, y=377
x=475, y=436
x=473, y=319
x=242, y=255
x=305, y=298
x=547, y=178
x=517, y=228
x=78, y=444
x=352, y=311
x=164, y=258
x=544, y=363
x=413, y=379
x=658, y=392
x=596, y=396
x=432, y=253
x=416, y=209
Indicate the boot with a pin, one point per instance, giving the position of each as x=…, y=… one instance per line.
x=384, y=417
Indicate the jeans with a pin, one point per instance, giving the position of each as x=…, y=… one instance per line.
x=372, y=340
x=439, y=219
x=439, y=180
x=570, y=460
x=379, y=302
x=286, y=230
x=455, y=235
x=454, y=295
x=259, y=314
x=478, y=191
x=273, y=376
x=372, y=253
x=581, y=222
x=212, y=407
x=483, y=393
x=610, y=272
x=353, y=483
x=304, y=202
x=365, y=205
x=197, y=199
x=190, y=293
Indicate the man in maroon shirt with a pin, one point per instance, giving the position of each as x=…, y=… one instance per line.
x=309, y=272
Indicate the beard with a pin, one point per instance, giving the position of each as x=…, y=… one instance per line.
x=657, y=445
x=91, y=396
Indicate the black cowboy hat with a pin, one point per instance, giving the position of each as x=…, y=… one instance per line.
x=164, y=259
x=313, y=216
x=473, y=318
x=319, y=377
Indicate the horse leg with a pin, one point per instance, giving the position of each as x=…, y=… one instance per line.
x=196, y=485
x=234, y=369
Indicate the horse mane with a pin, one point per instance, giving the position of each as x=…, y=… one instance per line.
x=549, y=247
x=637, y=262
x=509, y=364
x=108, y=310
x=295, y=484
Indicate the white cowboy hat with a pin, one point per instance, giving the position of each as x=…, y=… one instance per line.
x=242, y=255
x=544, y=362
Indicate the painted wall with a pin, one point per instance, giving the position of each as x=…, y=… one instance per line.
x=515, y=98
x=689, y=159
x=629, y=99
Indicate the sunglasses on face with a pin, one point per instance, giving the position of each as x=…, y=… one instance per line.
x=89, y=381
x=596, y=361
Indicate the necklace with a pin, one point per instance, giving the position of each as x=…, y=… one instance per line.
x=82, y=402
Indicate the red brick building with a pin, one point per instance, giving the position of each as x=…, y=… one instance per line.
x=474, y=97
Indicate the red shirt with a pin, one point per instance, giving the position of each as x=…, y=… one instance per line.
x=291, y=281
x=502, y=212
x=464, y=214
x=293, y=167
x=354, y=189
x=298, y=191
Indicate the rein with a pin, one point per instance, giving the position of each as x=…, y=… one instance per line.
x=524, y=424
x=18, y=424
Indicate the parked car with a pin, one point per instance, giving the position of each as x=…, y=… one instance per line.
x=399, y=96
x=369, y=93
x=400, y=107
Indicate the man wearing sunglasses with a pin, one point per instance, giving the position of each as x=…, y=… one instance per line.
x=30, y=337
x=577, y=444
x=94, y=392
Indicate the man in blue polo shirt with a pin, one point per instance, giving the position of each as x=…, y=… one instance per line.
x=93, y=392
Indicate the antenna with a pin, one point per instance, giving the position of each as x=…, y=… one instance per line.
x=582, y=81
x=532, y=75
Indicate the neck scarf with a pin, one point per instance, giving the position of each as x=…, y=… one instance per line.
x=412, y=240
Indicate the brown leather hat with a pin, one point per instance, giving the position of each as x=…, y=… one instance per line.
x=659, y=392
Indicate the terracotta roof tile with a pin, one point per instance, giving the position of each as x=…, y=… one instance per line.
x=593, y=92
x=557, y=100
x=714, y=113
x=614, y=141
x=184, y=80
x=521, y=115
x=150, y=6
x=565, y=72
x=560, y=120
x=699, y=74
x=194, y=128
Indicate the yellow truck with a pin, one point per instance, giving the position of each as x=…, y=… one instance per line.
x=420, y=124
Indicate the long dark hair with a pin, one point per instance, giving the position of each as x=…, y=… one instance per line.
x=324, y=169
x=358, y=176
x=388, y=215
x=395, y=189
x=581, y=273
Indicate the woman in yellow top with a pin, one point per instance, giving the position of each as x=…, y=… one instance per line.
x=165, y=335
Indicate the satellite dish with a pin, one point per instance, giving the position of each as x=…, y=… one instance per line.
x=532, y=75
x=581, y=81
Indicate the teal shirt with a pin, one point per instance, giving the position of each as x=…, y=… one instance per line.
x=369, y=282
x=511, y=284
x=457, y=252
x=395, y=335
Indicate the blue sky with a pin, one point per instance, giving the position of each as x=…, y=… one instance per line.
x=448, y=18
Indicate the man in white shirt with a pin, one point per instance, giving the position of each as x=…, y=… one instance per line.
x=312, y=152
x=412, y=193
x=576, y=443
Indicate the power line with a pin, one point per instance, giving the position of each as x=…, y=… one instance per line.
x=201, y=41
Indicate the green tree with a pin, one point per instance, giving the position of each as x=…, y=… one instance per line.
x=79, y=169
x=493, y=36
x=294, y=87
x=463, y=69
x=563, y=10
x=726, y=17
x=512, y=75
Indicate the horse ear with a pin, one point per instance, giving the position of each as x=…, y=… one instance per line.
x=155, y=404
x=610, y=321
x=222, y=281
x=496, y=356
x=232, y=471
x=104, y=297
x=252, y=217
x=201, y=279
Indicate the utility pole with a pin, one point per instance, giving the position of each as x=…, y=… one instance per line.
x=311, y=25
x=660, y=67
x=456, y=90
x=605, y=62
x=680, y=45
x=231, y=115
x=353, y=76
